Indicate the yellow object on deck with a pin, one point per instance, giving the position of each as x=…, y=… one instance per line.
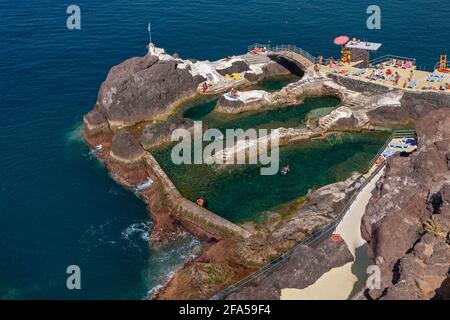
x=443, y=64
x=228, y=77
x=236, y=76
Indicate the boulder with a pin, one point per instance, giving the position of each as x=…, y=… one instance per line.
x=157, y=133
x=236, y=67
x=407, y=221
x=125, y=147
x=141, y=89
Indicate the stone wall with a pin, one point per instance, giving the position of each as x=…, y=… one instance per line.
x=358, y=85
x=439, y=99
x=186, y=210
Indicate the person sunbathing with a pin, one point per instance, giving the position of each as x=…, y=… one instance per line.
x=399, y=63
x=373, y=75
x=204, y=87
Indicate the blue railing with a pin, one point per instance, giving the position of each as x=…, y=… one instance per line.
x=284, y=47
x=389, y=57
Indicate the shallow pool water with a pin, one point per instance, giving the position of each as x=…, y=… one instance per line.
x=272, y=85
x=239, y=192
x=288, y=117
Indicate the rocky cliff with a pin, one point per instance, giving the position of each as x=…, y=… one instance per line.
x=139, y=89
x=302, y=269
x=407, y=221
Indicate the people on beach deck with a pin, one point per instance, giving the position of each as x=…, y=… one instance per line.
x=316, y=68
x=204, y=87
x=396, y=78
x=258, y=50
x=320, y=60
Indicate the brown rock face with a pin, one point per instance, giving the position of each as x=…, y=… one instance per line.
x=322, y=206
x=126, y=147
x=141, y=88
x=304, y=267
x=236, y=67
x=160, y=132
x=407, y=221
x=414, y=106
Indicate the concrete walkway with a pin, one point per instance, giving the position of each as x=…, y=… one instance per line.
x=342, y=282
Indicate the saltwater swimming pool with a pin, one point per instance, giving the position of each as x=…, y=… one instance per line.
x=239, y=192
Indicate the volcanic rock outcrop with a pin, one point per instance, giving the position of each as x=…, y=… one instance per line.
x=141, y=89
x=302, y=269
x=407, y=221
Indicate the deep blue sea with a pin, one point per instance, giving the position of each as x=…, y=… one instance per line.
x=58, y=206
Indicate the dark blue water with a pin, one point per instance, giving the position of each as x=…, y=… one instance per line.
x=57, y=205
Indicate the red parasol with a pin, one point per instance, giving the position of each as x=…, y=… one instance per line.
x=340, y=41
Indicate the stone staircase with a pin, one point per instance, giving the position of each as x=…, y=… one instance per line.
x=354, y=103
x=252, y=59
x=326, y=121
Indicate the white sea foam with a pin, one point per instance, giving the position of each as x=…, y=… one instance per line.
x=76, y=134
x=137, y=232
x=170, y=260
x=144, y=185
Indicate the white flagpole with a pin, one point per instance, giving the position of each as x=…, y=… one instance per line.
x=150, y=31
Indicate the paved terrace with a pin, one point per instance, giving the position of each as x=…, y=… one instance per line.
x=348, y=70
x=419, y=75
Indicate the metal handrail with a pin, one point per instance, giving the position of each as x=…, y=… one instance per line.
x=401, y=133
x=318, y=234
x=284, y=47
x=388, y=57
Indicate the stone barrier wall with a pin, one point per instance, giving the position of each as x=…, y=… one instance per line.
x=188, y=211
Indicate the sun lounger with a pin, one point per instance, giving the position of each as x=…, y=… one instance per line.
x=402, y=146
x=435, y=77
x=413, y=84
x=360, y=72
x=389, y=153
x=409, y=141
